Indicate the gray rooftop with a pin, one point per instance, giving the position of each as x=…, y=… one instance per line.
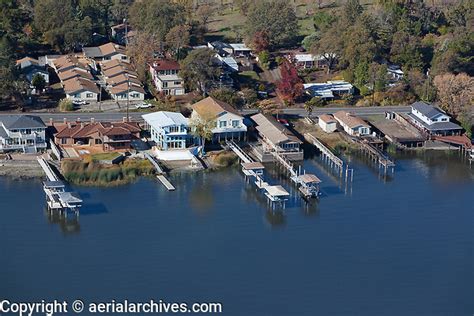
x=427, y=109
x=21, y=121
x=438, y=126
x=92, y=52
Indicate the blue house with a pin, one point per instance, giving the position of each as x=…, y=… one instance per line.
x=169, y=130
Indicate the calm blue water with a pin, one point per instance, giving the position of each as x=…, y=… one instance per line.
x=397, y=246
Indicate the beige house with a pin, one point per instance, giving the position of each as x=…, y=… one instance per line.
x=353, y=125
x=229, y=124
x=79, y=88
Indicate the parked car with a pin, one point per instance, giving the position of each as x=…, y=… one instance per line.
x=79, y=102
x=284, y=122
x=143, y=105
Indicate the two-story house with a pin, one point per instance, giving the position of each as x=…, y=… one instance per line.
x=22, y=132
x=168, y=130
x=164, y=74
x=229, y=124
x=432, y=120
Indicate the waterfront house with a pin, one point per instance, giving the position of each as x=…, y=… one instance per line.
x=164, y=74
x=229, y=124
x=329, y=90
x=327, y=123
x=352, y=125
x=102, y=135
x=22, y=132
x=275, y=137
x=169, y=130
x=432, y=120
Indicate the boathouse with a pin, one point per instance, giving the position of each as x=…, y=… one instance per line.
x=432, y=120
x=273, y=136
x=327, y=123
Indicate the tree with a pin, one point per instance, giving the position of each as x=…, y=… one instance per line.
x=277, y=18
x=156, y=17
x=455, y=92
x=249, y=96
x=204, y=13
x=141, y=49
x=312, y=103
x=177, y=38
x=290, y=87
x=38, y=82
x=268, y=106
x=329, y=45
x=260, y=41
x=201, y=126
x=199, y=70
x=227, y=95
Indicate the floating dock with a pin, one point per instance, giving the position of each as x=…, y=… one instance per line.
x=167, y=184
x=57, y=198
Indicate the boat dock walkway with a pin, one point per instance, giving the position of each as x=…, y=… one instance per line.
x=161, y=174
x=377, y=155
x=334, y=161
x=57, y=198
x=251, y=168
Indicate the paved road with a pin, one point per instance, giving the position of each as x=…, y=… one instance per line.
x=119, y=116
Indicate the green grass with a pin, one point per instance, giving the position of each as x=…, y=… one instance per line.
x=104, y=156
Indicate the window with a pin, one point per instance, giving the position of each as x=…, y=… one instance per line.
x=174, y=129
x=63, y=141
x=165, y=84
x=124, y=57
x=177, y=83
x=89, y=95
x=222, y=124
x=235, y=123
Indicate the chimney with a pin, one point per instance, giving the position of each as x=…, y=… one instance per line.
x=65, y=120
x=68, y=124
x=92, y=120
x=124, y=119
x=82, y=125
x=51, y=122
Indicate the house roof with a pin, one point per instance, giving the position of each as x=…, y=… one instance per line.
x=327, y=118
x=240, y=46
x=350, y=119
x=109, y=64
x=84, y=130
x=74, y=72
x=92, y=52
x=124, y=87
x=326, y=89
x=437, y=126
x=271, y=129
x=111, y=49
x=165, y=118
x=27, y=62
x=115, y=71
x=21, y=121
x=309, y=178
x=427, y=109
x=78, y=84
x=304, y=57
x=165, y=64
x=122, y=78
x=67, y=61
x=213, y=107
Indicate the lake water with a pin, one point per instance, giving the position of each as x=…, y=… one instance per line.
x=397, y=246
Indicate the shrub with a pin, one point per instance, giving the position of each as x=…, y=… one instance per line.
x=66, y=105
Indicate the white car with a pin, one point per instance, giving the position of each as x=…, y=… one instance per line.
x=79, y=102
x=143, y=105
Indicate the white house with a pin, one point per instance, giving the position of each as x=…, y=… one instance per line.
x=395, y=72
x=79, y=88
x=353, y=125
x=169, y=130
x=328, y=90
x=229, y=124
x=127, y=91
x=432, y=120
x=327, y=123
x=31, y=67
x=22, y=132
x=164, y=74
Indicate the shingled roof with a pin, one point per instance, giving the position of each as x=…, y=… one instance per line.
x=213, y=107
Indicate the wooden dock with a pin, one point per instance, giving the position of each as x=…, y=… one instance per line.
x=334, y=161
x=376, y=155
x=161, y=174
